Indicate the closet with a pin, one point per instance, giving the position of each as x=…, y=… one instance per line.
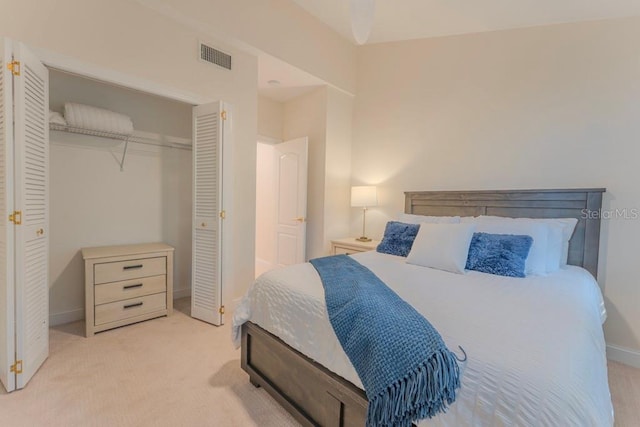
x=165, y=182
x=96, y=202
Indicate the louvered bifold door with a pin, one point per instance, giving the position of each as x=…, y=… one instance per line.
x=206, y=277
x=7, y=314
x=31, y=108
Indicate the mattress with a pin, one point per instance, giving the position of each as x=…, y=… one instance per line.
x=535, y=346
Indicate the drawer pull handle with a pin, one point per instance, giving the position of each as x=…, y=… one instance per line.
x=131, y=267
x=138, y=304
x=139, y=285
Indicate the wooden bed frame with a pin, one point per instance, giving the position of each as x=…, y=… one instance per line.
x=316, y=396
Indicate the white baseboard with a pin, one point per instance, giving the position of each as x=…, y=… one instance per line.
x=181, y=293
x=623, y=355
x=56, y=319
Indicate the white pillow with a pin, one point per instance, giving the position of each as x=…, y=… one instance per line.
x=442, y=246
x=554, y=247
x=568, y=227
x=537, y=259
x=557, y=245
x=56, y=118
x=419, y=219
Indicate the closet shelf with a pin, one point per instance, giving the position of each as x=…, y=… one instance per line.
x=137, y=137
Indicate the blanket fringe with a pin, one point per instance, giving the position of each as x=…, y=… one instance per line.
x=430, y=388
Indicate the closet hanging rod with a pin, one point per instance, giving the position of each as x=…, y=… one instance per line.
x=138, y=139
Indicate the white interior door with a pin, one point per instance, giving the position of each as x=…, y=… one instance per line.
x=7, y=313
x=208, y=213
x=31, y=180
x=290, y=170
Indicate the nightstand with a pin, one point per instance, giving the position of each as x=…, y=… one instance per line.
x=350, y=246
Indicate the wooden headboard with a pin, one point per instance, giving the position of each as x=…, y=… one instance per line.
x=565, y=203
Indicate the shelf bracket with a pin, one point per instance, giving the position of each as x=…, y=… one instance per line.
x=124, y=154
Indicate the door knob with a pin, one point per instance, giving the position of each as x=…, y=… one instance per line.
x=40, y=232
x=299, y=219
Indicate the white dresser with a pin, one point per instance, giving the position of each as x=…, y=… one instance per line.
x=127, y=284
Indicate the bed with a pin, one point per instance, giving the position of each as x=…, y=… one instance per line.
x=522, y=340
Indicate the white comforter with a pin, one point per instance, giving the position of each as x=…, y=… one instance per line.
x=535, y=346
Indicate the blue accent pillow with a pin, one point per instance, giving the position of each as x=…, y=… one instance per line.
x=500, y=254
x=398, y=238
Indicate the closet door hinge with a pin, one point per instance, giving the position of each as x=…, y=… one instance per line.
x=16, y=367
x=16, y=217
x=221, y=310
x=223, y=114
x=223, y=214
x=14, y=66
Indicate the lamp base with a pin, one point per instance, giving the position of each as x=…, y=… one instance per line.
x=363, y=239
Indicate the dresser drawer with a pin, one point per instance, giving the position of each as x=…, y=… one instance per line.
x=339, y=250
x=106, y=313
x=116, y=291
x=130, y=269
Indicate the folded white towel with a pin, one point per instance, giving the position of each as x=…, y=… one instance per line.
x=98, y=119
x=56, y=118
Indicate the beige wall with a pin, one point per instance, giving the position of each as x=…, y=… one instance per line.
x=124, y=36
x=325, y=116
x=278, y=27
x=306, y=115
x=270, y=125
x=270, y=118
x=546, y=107
x=265, y=209
x=337, y=166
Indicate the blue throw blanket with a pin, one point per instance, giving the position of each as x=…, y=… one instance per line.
x=407, y=371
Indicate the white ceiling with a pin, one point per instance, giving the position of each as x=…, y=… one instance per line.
x=414, y=19
x=397, y=20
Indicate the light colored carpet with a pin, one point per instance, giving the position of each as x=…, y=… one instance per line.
x=173, y=371
x=624, y=382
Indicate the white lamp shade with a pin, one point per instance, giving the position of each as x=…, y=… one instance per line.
x=364, y=196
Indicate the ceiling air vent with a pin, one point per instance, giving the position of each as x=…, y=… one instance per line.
x=214, y=56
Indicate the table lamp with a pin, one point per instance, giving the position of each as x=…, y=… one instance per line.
x=364, y=196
